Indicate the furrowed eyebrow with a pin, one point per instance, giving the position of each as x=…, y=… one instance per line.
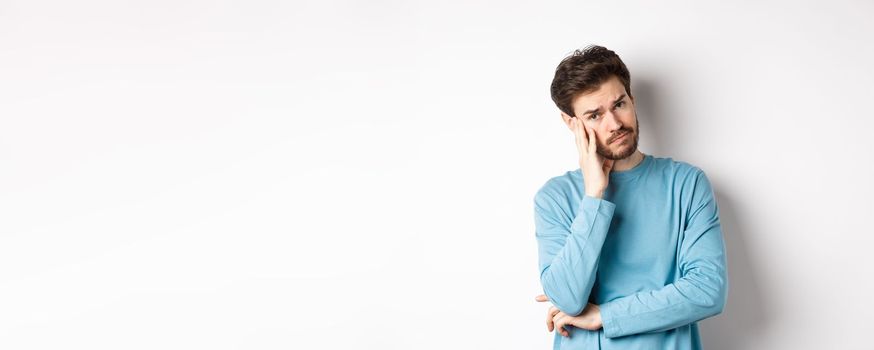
x=596, y=109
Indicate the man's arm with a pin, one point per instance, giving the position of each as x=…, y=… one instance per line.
x=569, y=251
x=702, y=288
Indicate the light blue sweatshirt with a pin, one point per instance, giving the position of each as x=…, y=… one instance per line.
x=650, y=253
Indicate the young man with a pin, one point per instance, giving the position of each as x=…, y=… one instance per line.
x=630, y=247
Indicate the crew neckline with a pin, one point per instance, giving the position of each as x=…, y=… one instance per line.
x=633, y=172
x=630, y=173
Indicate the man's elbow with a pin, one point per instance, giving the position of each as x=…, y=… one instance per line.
x=721, y=300
x=716, y=300
x=715, y=307
x=565, y=300
x=709, y=294
x=571, y=308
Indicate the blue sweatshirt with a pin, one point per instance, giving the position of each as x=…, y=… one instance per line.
x=650, y=253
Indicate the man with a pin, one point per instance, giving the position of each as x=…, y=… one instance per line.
x=630, y=247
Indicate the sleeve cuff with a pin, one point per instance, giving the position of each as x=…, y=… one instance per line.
x=589, y=201
x=592, y=208
x=608, y=321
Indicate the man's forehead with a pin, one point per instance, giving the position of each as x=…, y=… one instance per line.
x=595, y=100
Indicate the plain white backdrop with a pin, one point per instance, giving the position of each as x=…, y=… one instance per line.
x=360, y=174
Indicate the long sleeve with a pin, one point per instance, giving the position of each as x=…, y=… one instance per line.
x=569, y=251
x=701, y=290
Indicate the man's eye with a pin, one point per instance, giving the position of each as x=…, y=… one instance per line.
x=593, y=116
x=620, y=104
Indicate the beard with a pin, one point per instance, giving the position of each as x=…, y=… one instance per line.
x=627, y=146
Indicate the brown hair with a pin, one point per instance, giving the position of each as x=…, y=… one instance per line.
x=584, y=71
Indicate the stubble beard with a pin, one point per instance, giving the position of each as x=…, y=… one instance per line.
x=627, y=151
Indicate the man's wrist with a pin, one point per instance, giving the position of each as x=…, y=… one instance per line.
x=598, y=322
x=595, y=194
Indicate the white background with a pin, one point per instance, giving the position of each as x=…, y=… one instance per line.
x=330, y=175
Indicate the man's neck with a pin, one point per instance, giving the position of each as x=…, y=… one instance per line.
x=629, y=162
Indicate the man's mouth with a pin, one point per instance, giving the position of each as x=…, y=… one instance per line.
x=620, y=137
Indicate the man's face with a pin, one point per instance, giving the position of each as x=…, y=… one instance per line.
x=610, y=113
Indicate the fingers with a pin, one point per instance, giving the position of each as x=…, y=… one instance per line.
x=585, y=131
x=560, y=320
x=541, y=297
x=608, y=165
x=549, y=322
x=576, y=133
x=550, y=314
x=581, y=137
x=592, y=138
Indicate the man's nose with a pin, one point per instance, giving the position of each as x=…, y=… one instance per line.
x=612, y=123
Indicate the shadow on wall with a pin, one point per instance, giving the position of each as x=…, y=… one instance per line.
x=655, y=127
x=745, y=315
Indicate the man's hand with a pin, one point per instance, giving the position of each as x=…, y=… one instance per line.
x=589, y=319
x=595, y=168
